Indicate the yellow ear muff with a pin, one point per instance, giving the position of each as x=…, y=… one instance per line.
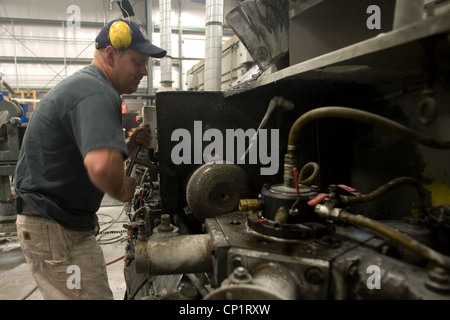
x=120, y=35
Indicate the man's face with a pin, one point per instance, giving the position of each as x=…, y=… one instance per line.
x=130, y=66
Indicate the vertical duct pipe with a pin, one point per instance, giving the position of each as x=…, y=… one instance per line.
x=180, y=45
x=165, y=7
x=213, y=45
x=149, y=14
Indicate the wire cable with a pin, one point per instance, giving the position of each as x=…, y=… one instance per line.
x=115, y=260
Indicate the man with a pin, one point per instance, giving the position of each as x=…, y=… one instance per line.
x=73, y=152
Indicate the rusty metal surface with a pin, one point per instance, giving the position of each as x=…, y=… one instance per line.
x=174, y=255
x=239, y=235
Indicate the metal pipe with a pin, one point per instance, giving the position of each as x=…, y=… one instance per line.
x=149, y=15
x=213, y=45
x=175, y=255
x=15, y=54
x=250, y=204
x=281, y=216
x=7, y=86
x=274, y=102
x=267, y=281
x=278, y=280
x=180, y=45
x=165, y=7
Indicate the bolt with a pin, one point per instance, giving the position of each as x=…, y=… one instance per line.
x=314, y=275
x=438, y=280
x=189, y=292
x=165, y=225
x=235, y=222
x=142, y=234
x=240, y=275
x=352, y=272
x=236, y=262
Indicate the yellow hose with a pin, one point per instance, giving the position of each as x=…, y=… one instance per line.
x=406, y=241
x=352, y=114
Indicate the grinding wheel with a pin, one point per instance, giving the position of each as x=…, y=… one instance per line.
x=215, y=189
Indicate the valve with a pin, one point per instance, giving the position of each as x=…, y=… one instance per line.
x=335, y=190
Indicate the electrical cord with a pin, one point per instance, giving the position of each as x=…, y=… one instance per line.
x=104, y=232
x=115, y=239
x=25, y=297
x=115, y=260
x=141, y=285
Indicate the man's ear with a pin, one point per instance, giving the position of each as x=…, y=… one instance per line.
x=110, y=56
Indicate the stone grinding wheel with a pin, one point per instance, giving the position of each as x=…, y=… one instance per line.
x=214, y=189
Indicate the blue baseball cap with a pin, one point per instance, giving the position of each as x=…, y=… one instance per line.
x=139, y=40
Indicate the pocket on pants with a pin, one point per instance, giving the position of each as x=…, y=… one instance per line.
x=34, y=240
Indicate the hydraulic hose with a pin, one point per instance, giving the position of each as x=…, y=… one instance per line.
x=356, y=115
x=310, y=179
x=385, y=188
x=327, y=212
x=361, y=116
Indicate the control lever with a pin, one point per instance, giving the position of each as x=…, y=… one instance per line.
x=133, y=159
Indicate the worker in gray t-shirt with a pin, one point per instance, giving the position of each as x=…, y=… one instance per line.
x=73, y=152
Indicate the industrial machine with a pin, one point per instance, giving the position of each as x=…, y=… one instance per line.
x=10, y=139
x=325, y=176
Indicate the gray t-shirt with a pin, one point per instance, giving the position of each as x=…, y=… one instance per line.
x=80, y=114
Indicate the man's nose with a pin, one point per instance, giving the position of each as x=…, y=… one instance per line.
x=144, y=70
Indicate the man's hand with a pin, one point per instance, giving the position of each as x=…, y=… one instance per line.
x=142, y=135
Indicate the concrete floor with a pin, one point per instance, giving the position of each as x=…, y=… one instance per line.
x=17, y=283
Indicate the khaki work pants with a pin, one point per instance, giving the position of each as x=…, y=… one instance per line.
x=66, y=264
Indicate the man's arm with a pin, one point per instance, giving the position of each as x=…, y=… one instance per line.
x=105, y=168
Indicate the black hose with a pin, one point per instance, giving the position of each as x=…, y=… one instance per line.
x=141, y=285
x=25, y=297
